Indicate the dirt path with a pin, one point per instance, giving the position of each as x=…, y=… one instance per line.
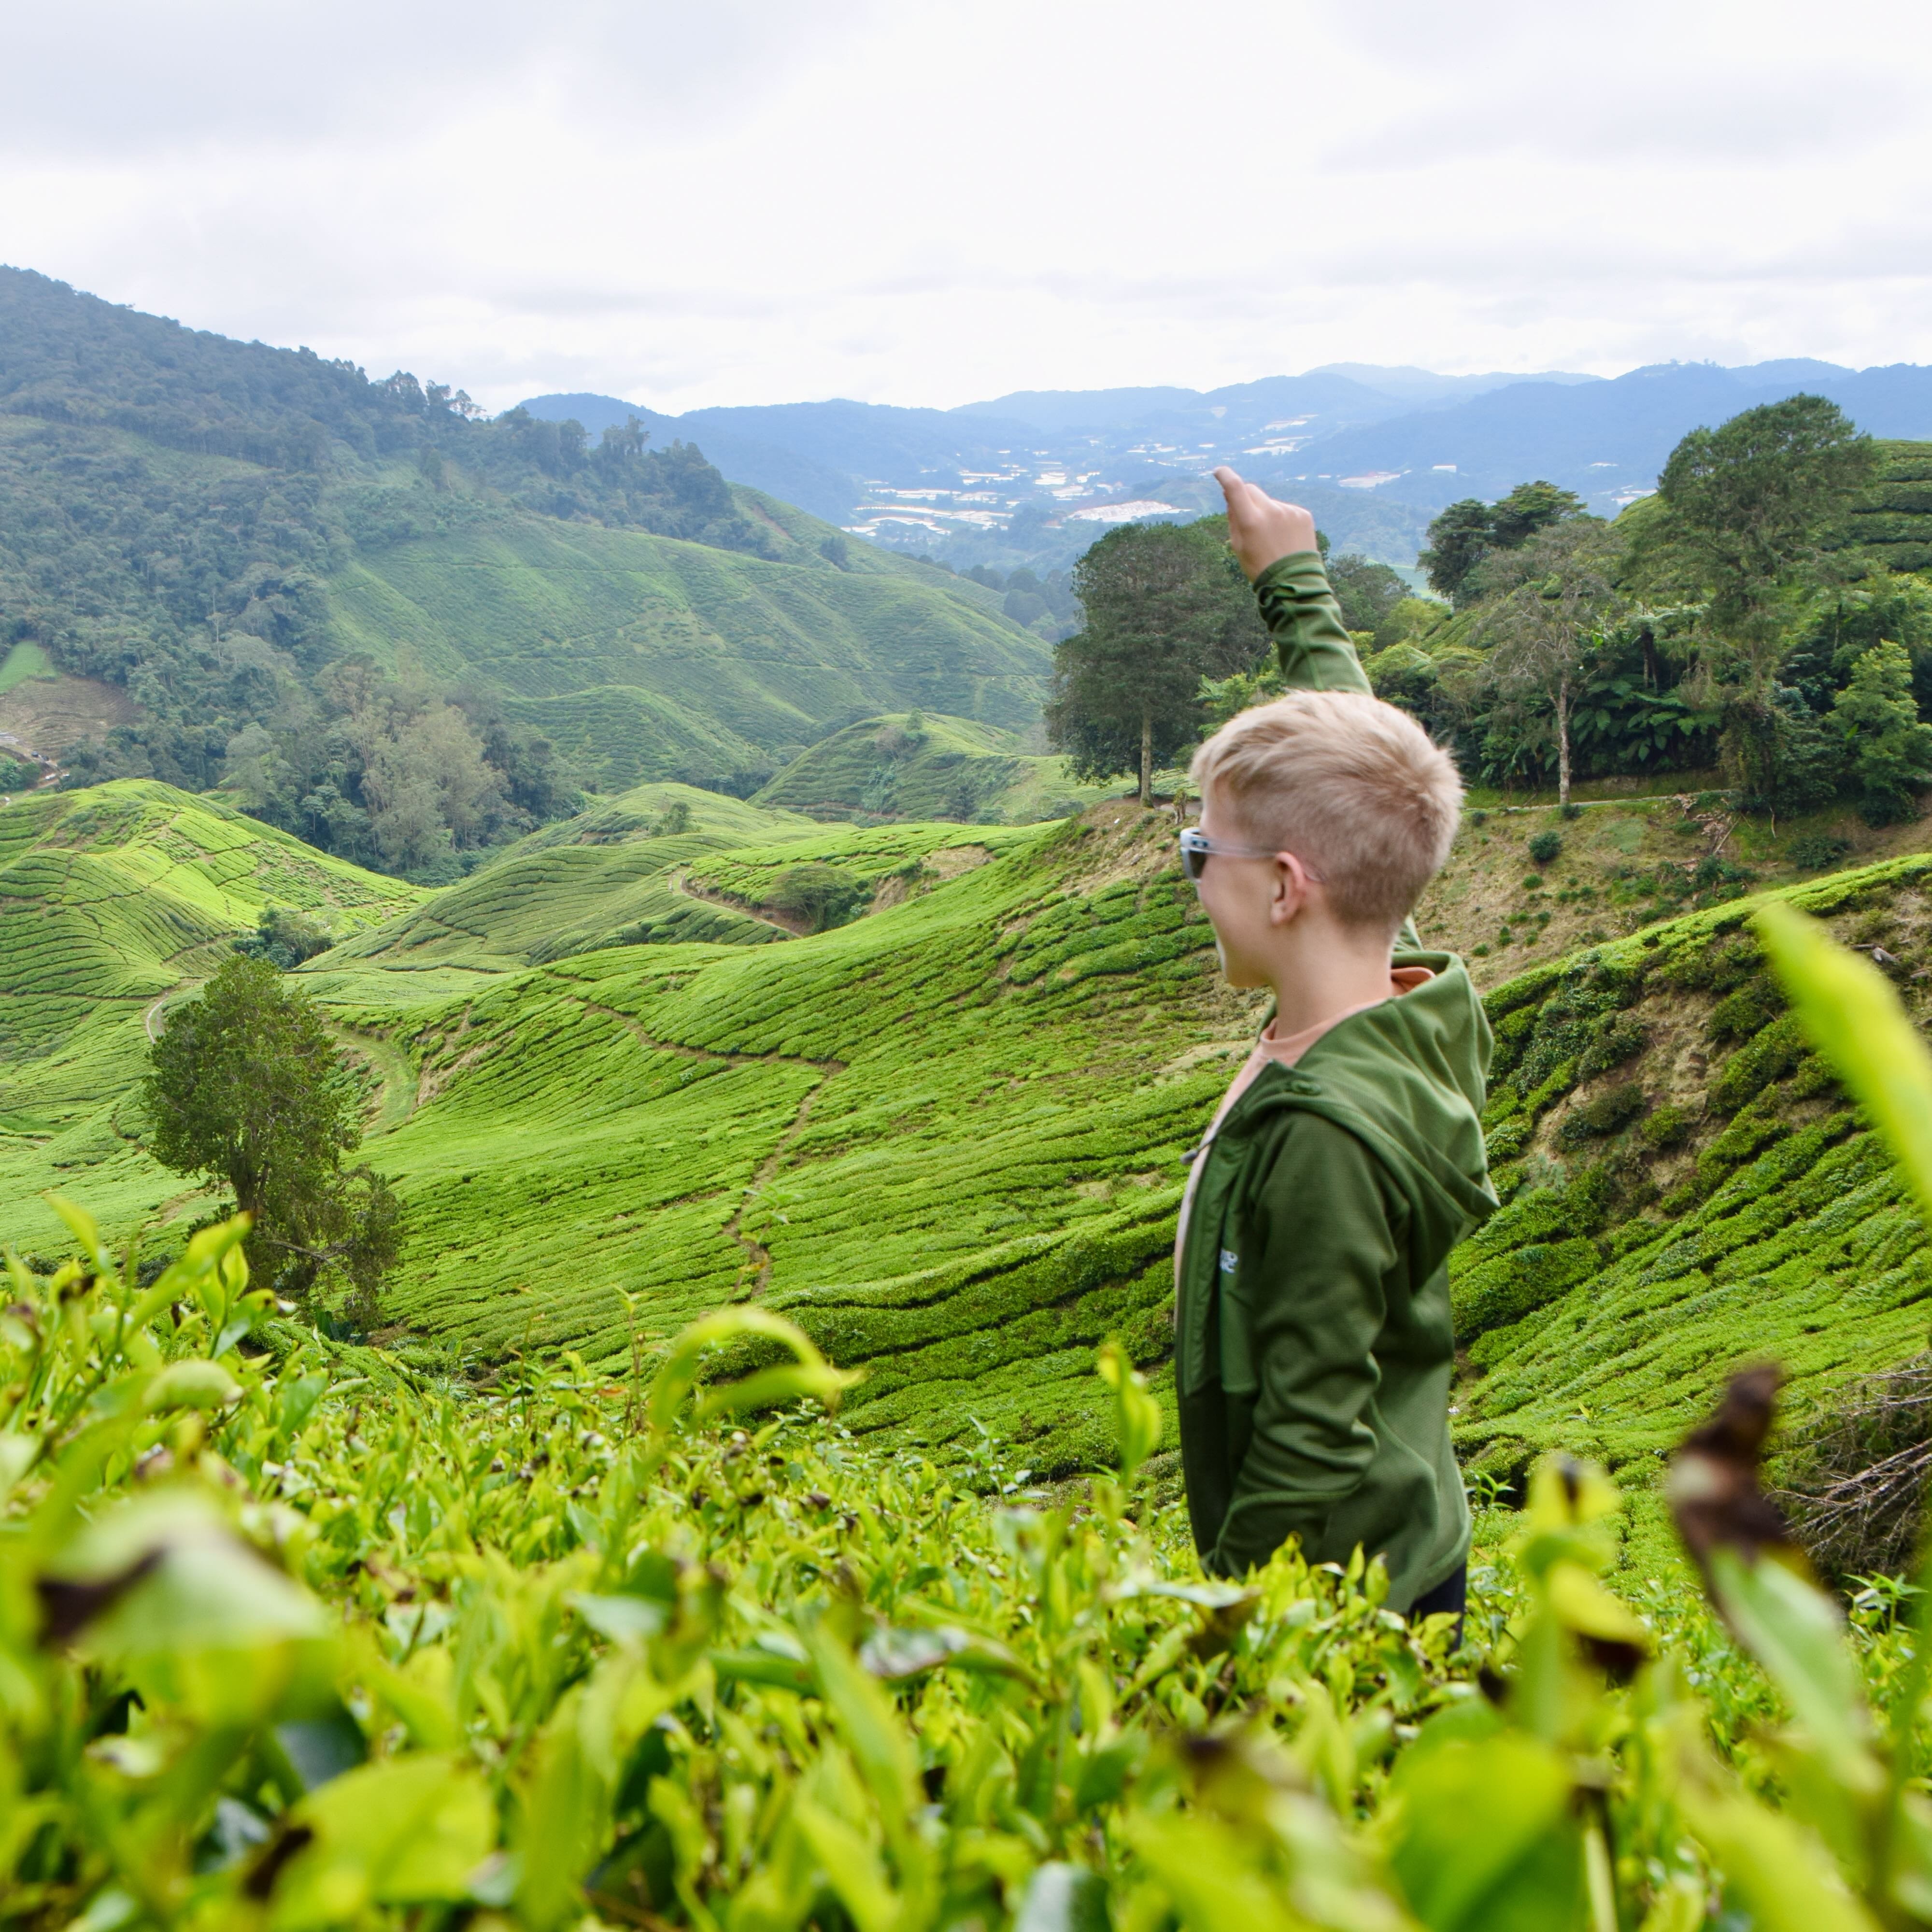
x=757, y=1256
x=679, y=882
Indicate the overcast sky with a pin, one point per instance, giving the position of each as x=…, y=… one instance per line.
x=691, y=202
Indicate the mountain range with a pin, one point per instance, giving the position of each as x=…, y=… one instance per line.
x=1032, y=476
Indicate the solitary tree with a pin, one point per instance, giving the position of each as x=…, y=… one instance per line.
x=1165, y=606
x=246, y=1088
x=1553, y=595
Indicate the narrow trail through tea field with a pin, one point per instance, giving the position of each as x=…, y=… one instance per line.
x=757, y=1256
x=679, y=882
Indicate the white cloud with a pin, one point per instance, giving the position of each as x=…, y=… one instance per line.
x=749, y=202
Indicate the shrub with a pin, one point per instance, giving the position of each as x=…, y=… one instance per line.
x=285, y=939
x=1770, y=1054
x=1669, y=1126
x=1818, y=852
x=1546, y=847
x=1747, y=1010
x=1854, y=1481
x=1572, y=810
x=819, y=895
x=1619, y=1037
x=1609, y=1113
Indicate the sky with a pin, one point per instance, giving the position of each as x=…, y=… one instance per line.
x=930, y=202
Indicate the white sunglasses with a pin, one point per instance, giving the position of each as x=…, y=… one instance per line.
x=1197, y=848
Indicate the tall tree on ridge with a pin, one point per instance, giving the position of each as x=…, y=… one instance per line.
x=1165, y=606
x=1554, y=594
x=1748, y=508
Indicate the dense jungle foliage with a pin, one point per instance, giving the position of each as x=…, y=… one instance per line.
x=1760, y=620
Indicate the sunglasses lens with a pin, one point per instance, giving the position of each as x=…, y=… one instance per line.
x=1193, y=861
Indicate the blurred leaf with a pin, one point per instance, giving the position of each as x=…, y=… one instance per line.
x=192, y=1384
x=851, y=1866
x=1137, y=1416
x=1062, y=1897
x=1795, y=1632
x=1779, y=1872
x=409, y=1831
x=869, y=1725
x=1851, y=1013
x=810, y=1375
x=624, y=1619
x=1522, y=1868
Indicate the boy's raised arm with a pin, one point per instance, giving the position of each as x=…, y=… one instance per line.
x=1275, y=543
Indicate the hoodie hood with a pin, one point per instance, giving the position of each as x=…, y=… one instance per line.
x=1407, y=1078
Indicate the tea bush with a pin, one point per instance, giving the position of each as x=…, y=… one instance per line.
x=291, y=1638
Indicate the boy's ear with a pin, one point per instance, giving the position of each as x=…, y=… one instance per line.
x=1293, y=888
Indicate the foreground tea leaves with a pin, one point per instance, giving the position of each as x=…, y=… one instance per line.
x=292, y=1640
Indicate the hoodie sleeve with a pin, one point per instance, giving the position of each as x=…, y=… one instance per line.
x=1320, y=1249
x=1316, y=651
x=1310, y=640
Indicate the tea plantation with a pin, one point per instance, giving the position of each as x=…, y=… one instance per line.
x=908, y=765
x=948, y=1135
x=110, y=900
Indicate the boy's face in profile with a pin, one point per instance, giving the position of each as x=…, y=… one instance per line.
x=1240, y=898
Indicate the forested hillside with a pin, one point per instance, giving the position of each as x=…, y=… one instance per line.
x=405, y=633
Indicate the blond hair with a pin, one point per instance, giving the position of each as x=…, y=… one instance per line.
x=1352, y=786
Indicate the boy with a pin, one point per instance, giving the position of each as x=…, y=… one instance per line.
x=1313, y=1349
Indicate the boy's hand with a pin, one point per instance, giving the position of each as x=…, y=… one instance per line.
x=1261, y=530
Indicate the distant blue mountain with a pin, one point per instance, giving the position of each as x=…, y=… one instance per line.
x=1051, y=461
x=792, y=475
x=1602, y=439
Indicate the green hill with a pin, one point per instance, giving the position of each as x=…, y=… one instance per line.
x=624, y=605
x=110, y=900
x=607, y=878
x=948, y=1135
x=646, y=657
x=913, y=765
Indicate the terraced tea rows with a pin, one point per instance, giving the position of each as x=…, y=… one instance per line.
x=1688, y=1190
x=910, y=765
x=609, y=877
x=948, y=1137
x=644, y=655
x=940, y=1113
x=110, y=900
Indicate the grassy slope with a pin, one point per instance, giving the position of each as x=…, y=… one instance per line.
x=1625, y=863
x=607, y=877
x=639, y=653
x=110, y=900
x=959, y=768
x=949, y=1137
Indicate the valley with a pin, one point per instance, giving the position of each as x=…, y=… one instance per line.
x=617, y=1087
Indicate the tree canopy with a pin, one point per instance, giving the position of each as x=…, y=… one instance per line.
x=1165, y=606
x=1466, y=532
x=246, y=1089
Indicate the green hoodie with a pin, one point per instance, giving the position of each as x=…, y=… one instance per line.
x=1312, y=1343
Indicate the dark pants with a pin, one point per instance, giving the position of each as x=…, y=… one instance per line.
x=1451, y=1594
